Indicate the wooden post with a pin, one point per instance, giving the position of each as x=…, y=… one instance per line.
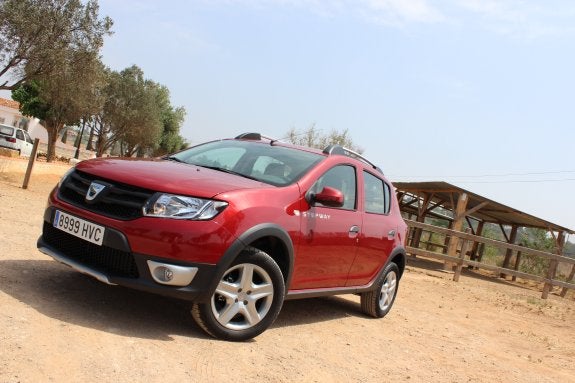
x=474, y=250
x=464, y=247
x=429, y=243
x=517, y=263
x=553, y=266
x=30, y=164
x=457, y=224
x=509, y=252
x=421, y=213
x=446, y=239
x=569, y=280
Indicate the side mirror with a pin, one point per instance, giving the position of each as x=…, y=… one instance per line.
x=329, y=197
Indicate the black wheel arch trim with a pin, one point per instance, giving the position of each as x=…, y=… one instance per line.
x=248, y=237
x=398, y=251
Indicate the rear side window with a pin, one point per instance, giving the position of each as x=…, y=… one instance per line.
x=20, y=135
x=28, y=138
x=377, y=194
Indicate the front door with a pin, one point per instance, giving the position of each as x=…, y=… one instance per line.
x=329, y=235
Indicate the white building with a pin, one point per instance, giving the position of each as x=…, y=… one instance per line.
x=9, y=112
x=10, y=115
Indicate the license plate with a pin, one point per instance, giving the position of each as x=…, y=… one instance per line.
x=79, y=227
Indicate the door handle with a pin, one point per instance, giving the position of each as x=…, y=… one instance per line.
x=391, y=234
x=353, y=231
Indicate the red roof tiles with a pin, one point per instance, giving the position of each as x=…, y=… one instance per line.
x=9, y=103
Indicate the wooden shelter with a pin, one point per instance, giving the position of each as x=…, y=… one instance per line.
x=444, y=201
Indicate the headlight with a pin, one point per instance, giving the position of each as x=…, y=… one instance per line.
x=181, y=207
x=68, y=172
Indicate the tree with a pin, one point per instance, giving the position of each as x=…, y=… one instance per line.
x=127, y=112
x=537, y=239
x=313, y=138
x=36, y=36
x=63, y=97
x=49, y=50
x=137, y=116
x=172, y=119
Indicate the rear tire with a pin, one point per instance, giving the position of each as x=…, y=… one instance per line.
x=378, y=302
x=246, y=301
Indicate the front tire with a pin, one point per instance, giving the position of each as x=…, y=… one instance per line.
x=378, y=302
x=246, y=301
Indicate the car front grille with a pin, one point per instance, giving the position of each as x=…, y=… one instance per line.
x=104, y=259
x=121, y=201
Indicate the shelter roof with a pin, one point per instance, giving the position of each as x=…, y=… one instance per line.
x=481, y=208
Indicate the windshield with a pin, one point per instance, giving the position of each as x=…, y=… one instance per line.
x=276, y=165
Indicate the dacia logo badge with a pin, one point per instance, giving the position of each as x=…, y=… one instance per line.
x=93, y=191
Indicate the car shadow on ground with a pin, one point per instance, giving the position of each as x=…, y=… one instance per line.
x=61, y=293
x=314, y=310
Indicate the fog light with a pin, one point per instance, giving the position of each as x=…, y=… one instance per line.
x=173, y=275
x=164, y=274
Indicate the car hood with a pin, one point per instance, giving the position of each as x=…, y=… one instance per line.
x=167, y=176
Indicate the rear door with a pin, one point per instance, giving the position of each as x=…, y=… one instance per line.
x=378, y=230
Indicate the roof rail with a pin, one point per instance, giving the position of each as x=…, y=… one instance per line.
x=343, y=151
x=255, y=137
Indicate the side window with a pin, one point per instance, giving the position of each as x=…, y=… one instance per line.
x=28, y=138
x=377, y=194
x=342, y=178
x=20, y=135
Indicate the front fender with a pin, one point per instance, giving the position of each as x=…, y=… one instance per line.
x=247, y=238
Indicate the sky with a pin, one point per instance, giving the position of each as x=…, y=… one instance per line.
x=478, y=93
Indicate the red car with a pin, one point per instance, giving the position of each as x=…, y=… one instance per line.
x=235, y=226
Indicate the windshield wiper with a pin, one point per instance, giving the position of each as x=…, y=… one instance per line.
x=174, y=158
x=225, y=170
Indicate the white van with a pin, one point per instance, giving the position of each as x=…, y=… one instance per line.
x=16, y=139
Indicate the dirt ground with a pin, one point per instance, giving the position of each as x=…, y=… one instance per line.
x=57, y=325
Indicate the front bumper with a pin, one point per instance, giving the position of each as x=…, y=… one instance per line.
x=114, y=263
